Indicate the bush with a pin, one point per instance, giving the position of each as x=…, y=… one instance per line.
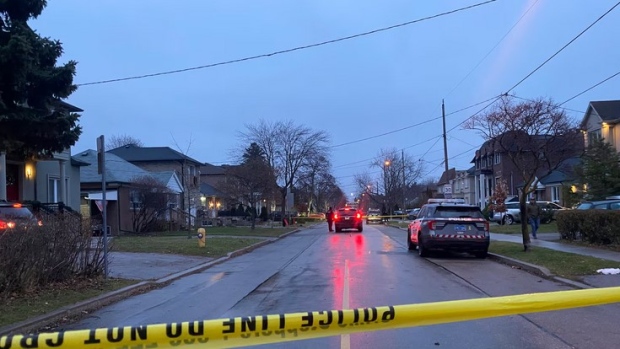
x=302, y=220
x=59, y=250
x=593, y=226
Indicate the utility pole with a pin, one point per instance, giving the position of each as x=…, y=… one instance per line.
x=404, y=182
x=101, y=169
x=445, y=140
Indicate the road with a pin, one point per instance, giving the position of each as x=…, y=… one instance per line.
x=314, y=269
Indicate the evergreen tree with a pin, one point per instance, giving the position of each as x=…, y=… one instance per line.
x=33, y=119
x=600, y=171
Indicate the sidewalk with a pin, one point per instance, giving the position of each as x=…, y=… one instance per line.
x=591, y=280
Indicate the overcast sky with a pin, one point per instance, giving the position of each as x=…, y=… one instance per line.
x=353, y=89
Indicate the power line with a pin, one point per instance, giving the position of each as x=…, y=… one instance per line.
x=532, y=100
x=589, y=88
x=493, y=48
x=494, y=99
x=275, y=53
x=410, y=126
x=563, y=47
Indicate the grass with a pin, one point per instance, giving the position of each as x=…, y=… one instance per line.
x=215, y=247
x=516, y=228
x=261, y=231
x=25, y=306
x=568, y=265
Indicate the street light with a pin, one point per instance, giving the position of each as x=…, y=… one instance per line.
x=386, y=164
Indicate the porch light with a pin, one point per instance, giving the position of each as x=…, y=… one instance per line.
x=29, y=171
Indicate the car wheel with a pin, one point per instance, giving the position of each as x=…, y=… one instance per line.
x=481, y=254
x=422, y=251
x=508, y=220
x=410, y=245
x=360, y=229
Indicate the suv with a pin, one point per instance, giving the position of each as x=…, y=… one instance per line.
x=449, y=224
x=15, y=217
x=348, y=218
x=513, y=213
x=600, y=205
x=374, y=216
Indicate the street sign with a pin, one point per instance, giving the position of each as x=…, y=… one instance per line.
x=447, y=191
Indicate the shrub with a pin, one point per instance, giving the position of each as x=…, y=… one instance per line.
x=302, y=220
x=593, y=226
x=59, y=250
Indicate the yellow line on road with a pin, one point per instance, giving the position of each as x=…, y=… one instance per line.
x=345, y=340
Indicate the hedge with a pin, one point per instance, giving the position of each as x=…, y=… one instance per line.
x=593, y=226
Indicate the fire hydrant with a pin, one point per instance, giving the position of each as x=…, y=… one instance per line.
x=202, y=237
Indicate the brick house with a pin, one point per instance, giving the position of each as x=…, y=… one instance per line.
x=160, y=159
x=120, y=178
x=492, y=163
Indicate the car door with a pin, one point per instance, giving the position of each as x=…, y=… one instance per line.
x=414, y=226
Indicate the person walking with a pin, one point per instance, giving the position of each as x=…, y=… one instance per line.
x=329, y=215
x=533, y=216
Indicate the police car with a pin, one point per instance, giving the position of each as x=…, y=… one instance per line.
x=449, y=224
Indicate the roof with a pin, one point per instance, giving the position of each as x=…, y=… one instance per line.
x=209, y=169
x=69, y=107
x=170, y=180
x=564, y=173
x=446, y=176
x=209, y=190
x=607, y=110
x=133, y=153
x=117, y=169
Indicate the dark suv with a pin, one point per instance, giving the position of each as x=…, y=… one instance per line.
x=449, y=224
x=15, y=217
x=348, y=218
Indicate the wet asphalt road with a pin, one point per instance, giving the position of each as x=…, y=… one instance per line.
x=307, y=271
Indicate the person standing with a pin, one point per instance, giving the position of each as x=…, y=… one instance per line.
x=533, y=216
x=329, y=215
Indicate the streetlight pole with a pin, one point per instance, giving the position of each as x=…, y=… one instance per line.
x=386, y=163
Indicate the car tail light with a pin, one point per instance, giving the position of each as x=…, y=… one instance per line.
x=359, y=215
x=431, y=225
x=3, y=225
x=17, y=205
x=335, y=216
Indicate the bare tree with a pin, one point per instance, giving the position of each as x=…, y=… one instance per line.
x=117, y=141
x=537, y=137
x=250, y=181
x=149, y=200
x=398, y=174
x=316, y=170
x=287, y=148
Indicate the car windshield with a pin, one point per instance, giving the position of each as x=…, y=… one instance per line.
x=15, y=212
x=458, y=212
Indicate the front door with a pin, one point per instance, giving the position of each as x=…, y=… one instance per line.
x=12, y=182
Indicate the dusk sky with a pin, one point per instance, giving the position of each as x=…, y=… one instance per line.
x=353, y=89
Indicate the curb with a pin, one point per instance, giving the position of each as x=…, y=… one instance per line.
x=40, y=322
x=530, y=268
x=537, y=270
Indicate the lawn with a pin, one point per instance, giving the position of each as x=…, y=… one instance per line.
x=215, y=247
x=25, y=306
x=262, y=231
x=516, y=228
x=568, y=265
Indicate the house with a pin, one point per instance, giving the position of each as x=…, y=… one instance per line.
x=158, y=159
x=600, y=121
x=444, y=187
x=121, y=179
x=492, y=163
x=463, y=186
x=49, y=181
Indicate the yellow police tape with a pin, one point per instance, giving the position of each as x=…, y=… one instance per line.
x=265, y=329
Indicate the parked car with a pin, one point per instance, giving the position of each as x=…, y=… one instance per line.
x=449, y=224
x=599, y=205
x=513, y=214
x=373, y=216
x=413, y=213
x=15, y=217
x=348, y=218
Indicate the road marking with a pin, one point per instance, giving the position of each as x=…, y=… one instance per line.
x=345, y=340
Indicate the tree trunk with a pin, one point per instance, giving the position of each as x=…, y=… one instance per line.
x=253, y=215
x=524, y=231
x=283, y=208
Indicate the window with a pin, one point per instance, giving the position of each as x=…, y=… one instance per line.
x=498, y=158
x=555, y=193
x=593, y=136
x=53, y=189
